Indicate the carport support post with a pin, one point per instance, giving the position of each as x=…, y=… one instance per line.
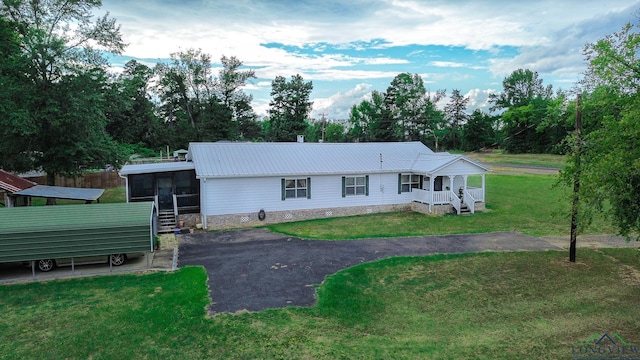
x=33, y=268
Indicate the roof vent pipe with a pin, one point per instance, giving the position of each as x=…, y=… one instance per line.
x=300, y=138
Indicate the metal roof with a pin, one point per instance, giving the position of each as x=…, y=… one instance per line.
x=13, y=183
x=131, y=169
x=429, y=164
x=61, y=192
x=72, y=217
x=229, y=159
x=67, y=231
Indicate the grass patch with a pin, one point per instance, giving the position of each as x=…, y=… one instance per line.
x=547, y=160
x=525, y=203
x=486, y=306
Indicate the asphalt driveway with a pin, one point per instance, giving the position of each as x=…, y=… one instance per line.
x=255, y=269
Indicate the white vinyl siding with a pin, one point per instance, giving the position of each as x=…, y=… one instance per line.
x=246, y=195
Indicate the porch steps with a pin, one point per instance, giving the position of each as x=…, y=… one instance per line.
x=166, y=221
x=464, y=209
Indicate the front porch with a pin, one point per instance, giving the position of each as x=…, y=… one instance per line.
x=464, y=200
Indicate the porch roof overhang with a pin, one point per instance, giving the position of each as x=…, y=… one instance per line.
x=61, y=192
x=134, y=169
x=440, y=165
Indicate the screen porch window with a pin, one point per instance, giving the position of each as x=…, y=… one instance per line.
x=296, y=188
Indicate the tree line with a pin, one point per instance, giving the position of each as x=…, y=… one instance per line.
x=62, y=111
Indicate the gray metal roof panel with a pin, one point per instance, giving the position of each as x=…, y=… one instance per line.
x=225, y=159
x=131, y=169
x=61, y=192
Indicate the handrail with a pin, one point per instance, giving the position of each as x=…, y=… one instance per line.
x=175, y=206
x=155, y=203
x=470, y=201
x=454, y=201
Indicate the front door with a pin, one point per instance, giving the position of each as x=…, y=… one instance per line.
x=165, y=193
x=437, y=183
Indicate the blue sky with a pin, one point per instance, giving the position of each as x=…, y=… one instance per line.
x=350, y=48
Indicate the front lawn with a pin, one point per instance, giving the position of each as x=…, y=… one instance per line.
x=525, y=203
x=533, y=305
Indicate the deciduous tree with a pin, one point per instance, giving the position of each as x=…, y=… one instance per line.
x=608, y=162
x=63, y=43
x=524, y=101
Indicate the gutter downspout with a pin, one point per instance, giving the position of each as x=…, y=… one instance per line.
x=126, y=185
x=203, y=208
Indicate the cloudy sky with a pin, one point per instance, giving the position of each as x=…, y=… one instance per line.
x=348, y=48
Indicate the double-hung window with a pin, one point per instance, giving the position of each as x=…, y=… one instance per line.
x=407, y=182
x=296, y=188
x=355, y=185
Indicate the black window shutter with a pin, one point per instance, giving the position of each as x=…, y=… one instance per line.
x=344, y=186
x=366, y=184
x=284, y=192
x=308, y=188
x=399, y=183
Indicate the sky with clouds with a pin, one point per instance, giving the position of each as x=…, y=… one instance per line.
x=349, y=48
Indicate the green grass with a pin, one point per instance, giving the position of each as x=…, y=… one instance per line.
x=549, y=160
x=525, y=203
x=517, y=305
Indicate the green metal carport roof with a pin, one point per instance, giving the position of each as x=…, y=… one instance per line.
x=38, y=232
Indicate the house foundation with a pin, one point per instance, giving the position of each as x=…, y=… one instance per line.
x=274, y=217
x=231, y=221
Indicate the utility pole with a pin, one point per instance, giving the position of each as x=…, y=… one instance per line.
x=324, y=125
x=576, y=183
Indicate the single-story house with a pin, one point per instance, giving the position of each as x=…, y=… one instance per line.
x=233, y=184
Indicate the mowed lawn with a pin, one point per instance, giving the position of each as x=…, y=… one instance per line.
x=520, y=305
x=530, y=204
x=509, y=305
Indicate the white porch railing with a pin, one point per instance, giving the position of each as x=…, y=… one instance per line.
x=470, y=201
x=420, y=195
x=455, y=201
x=477, y=194
x=471, y=196
x=439, y=197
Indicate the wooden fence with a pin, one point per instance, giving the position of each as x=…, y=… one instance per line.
x=94, y=180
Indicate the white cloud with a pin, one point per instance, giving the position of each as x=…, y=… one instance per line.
x=338, y=105
x=479, y=99
x=338, y=42
x=448, y=64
